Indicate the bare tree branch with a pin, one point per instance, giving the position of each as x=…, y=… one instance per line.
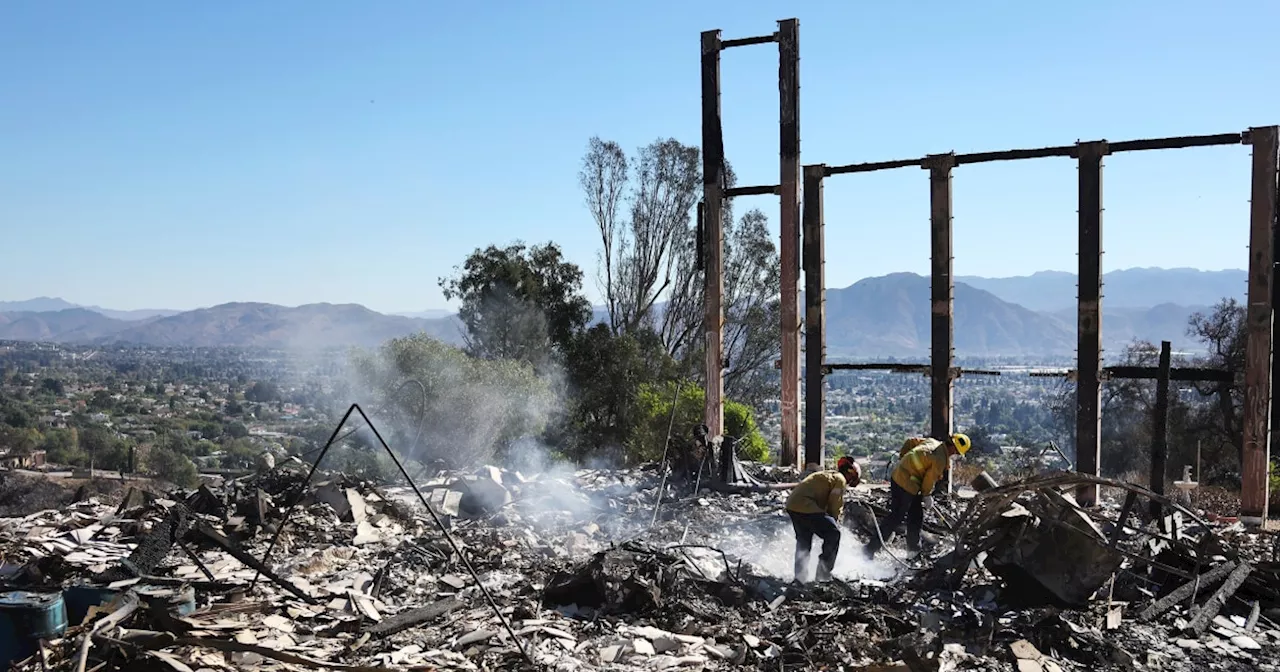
x=604, y=180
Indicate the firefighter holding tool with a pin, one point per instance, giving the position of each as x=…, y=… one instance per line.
x=921, y=464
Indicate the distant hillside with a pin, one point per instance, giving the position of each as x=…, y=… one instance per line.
x=889, y=316
x=876, y=317
x=40, y=304
x=1120, y=326
x=234, y=324
x=73, y=325
x=46, y=304
x=1053, y=291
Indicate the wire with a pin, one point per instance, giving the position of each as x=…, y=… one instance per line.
x=466, y=561
x=662, y=487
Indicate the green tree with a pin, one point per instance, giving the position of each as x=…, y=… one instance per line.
x=173, y=467
x=19, y=440
x=652, y=252
x=605, y=372
x=655, y=411
x=52, y=386
x=518, y=303
x=262, y=392
x=1222, y=332
x=237, y=430
x=101, y=401
x=240, y=453
x=17, y=417
x=105, y=449
x=472, y=408
x=63, y=447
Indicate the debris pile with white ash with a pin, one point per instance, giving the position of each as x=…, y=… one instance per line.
x=573, y=571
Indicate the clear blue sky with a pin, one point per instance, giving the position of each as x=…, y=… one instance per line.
x=175, y=155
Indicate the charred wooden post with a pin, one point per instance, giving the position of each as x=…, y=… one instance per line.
x=1274, y=448
x=815, y=318
x=713, y=185
x=789, y=249
x=1160, y=434
x=1089, y=327
x=942, y=322
x=1259, y=326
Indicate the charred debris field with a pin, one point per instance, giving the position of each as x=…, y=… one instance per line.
x=576, y=571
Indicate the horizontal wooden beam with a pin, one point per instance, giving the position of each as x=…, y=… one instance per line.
x=1185, y=374
x=762, y=190
x=748, y=41
x=1180, y=142
x=901, y=368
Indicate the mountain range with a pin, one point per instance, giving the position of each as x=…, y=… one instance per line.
x=875, y=317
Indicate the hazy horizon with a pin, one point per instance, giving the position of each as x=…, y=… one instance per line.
x=451, y=307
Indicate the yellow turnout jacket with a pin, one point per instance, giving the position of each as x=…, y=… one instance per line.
x=921, y=465
x=820, y=492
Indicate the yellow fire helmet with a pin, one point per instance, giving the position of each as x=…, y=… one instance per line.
x=961, y=442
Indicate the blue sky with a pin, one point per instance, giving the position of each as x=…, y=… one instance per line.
x=160, y=154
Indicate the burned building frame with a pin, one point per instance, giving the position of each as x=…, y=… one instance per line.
x=1260, y=367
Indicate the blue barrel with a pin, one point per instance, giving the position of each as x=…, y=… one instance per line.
x=26, y=618
x=80, y=598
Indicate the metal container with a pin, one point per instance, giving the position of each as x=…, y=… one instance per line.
x=179, y=601
x=26, y=618
x=80, y=598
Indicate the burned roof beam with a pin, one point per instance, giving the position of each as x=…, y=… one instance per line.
x=1181, y=373
x=1184, y=374
x=761, y=190
x=901, y=368
x=1180, y=142
x=748, y=41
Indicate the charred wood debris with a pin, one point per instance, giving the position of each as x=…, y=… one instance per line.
x=577, y=572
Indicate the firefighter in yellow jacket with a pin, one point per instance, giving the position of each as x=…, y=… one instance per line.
x=814, y=507
x=921, y=464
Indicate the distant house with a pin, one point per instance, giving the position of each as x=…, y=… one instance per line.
x=22, y=460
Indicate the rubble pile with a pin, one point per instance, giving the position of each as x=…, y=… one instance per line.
x=593, y=570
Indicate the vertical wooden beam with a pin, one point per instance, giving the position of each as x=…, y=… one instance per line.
x=713, y=186
x=1089, y=318
x=1160, y=434
x=942, y=322
x=815, y=317
x=1259, y=325
x=789, y=249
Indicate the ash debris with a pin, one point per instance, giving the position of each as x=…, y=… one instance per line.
x=585, y=576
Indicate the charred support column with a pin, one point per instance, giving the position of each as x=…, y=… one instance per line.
x=1274, y=449
x=1089, y=322
x=1160, y=434
x=942, y=323
x=789, y=249
x=1259, y=325
x=713, y=199
x=815, y=317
